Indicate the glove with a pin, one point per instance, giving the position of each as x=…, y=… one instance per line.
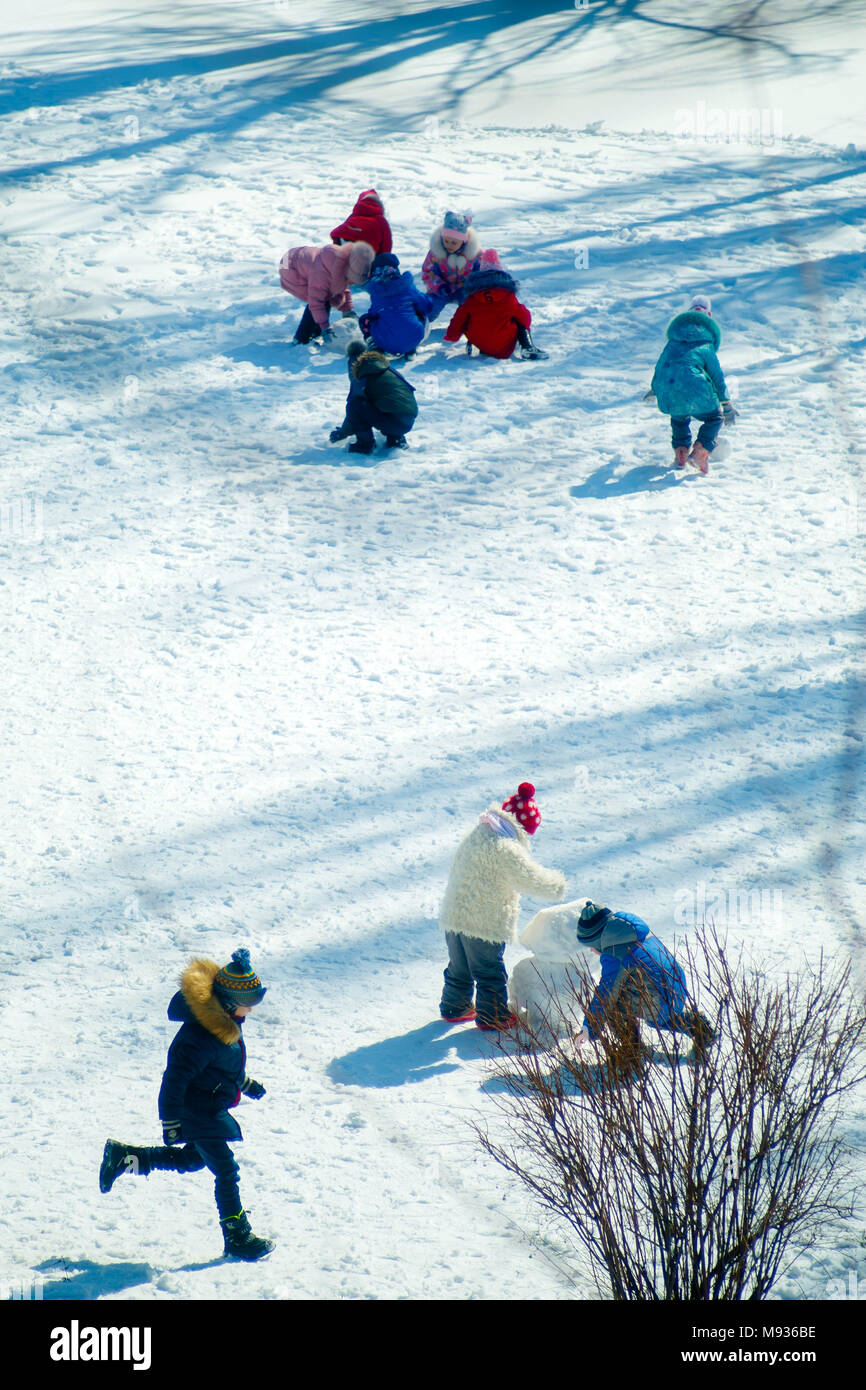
x=253, y=1089
x=328, y=333
x=729, y=413
x=171, y=1132
x=650, y=396
x=335, y=436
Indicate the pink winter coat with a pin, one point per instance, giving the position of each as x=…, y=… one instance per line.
x=321, y=275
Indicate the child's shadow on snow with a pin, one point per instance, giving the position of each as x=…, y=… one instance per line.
x=410, y=1057
x=647, y=477
x=84, y=1280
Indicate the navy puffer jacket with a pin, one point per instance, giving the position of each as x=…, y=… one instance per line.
x=206, y=1062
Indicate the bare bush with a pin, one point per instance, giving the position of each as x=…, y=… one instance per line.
x=685, y=1177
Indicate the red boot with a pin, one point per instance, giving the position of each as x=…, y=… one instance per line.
x=681, y=456
x=499, y=1025
x=466, y=1017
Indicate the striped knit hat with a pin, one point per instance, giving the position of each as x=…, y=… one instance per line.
x=237, y=982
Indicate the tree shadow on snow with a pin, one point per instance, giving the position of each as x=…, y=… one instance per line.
x=412, y=1056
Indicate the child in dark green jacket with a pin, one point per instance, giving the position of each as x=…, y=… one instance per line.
x=688, y=381
x=379, y=397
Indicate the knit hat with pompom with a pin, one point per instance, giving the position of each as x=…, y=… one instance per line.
x=237, y=982
x=523, y=807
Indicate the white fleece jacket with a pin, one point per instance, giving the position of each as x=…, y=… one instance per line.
x=489, y=873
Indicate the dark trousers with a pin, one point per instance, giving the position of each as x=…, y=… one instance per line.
x=362, y=418
x=681, y=435
x=475, y=966
x=213, y=1154
x=307, y=328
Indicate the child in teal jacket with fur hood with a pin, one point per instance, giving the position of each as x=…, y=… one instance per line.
x=689, y=381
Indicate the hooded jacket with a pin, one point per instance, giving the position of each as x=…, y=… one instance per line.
x=206, y=1061
x=366, y=222
x=490, y=870
x=385, y=389
x=444, y=272
x=688, y=379
x=488, y=313
x=398, y=311
x=630, y=954
x=321, y=275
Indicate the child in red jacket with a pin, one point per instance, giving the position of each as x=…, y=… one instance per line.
x=366, y=222
x=492, y=316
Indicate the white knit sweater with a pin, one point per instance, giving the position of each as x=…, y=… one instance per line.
x=489, y=873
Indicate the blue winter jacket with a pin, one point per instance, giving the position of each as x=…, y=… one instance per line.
x=398, y=311
x=688, y=379
x=652, y=963
x=206, y=1061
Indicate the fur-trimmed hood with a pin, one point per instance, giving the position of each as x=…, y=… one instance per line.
x=457, y=259
x=490, y=277
x=359, y=257
x=694, y=327
x=196, y=986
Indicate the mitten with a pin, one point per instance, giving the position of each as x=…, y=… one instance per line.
x=650, y=396
x=339, y=433
x=171, y=1132
x=729, y=413
x=253, y=1089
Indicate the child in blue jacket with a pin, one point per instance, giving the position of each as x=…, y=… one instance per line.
x=639, y=979
x=397, y=318
x=204, y=1078
x=689, y=381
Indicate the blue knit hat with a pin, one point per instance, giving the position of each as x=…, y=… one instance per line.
x=591, y=923
x=237, y=982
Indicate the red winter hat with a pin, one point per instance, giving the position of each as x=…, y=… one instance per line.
x=522, y=806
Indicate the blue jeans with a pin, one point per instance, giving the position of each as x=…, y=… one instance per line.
x=681, y=435
x=213, y=1154
x=475, y=966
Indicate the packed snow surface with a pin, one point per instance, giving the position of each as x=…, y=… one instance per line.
x=256, y=689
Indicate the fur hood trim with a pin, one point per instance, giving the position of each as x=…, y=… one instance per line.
x=490, y=277
x=694, y=327
x=468, y=251
x=370, y=361
x=196, y=986
x=359, y=260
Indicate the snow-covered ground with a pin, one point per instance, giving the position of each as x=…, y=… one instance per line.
x=255, y=691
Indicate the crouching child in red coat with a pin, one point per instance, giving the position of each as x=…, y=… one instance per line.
x=492, y=317
x=204, y=1078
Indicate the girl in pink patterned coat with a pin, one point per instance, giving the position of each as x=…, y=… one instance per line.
x=455, y=252
x=321, y=276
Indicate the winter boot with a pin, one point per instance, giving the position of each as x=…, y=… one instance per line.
x=699, y=457
x=120, y=1158
x=240, y=1243
x=681, y=456
x=504, y=1024
x=362, y=445
x=530, y=353
x=467, y=1016
x=396, y=441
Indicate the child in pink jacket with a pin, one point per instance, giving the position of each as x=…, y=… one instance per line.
x=321, y=276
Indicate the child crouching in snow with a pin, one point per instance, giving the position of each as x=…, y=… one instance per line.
x=492, y=316
x=688, y=380
x=397, y=318
x=366, y=222
x=455, y=252
x=492, y=867
x=379, y=397
x=639, y=979
x=321, y=276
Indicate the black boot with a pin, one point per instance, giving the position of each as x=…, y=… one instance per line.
x=396, y=441
x=240, y=1241
x=364, y=444
x=530, y=353
x=120, y=1158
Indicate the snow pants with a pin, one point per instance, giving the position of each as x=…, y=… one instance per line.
x=213, y=1154
x=475, y=966
x=361, y=418
x=681, y=435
